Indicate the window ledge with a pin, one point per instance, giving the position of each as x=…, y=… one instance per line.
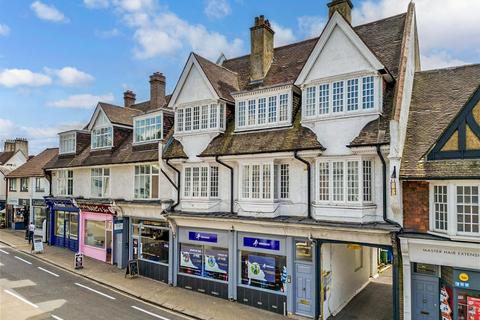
x=345, y=206
x=472, y=238
x=197, y=132
x=350, y=114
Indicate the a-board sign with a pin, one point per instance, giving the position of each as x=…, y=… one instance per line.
x=37, y=245
x=78, y=261
x=132, y=269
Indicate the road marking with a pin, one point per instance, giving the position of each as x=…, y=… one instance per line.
x=20, y=298
x=47, y=271
x=23, y=260
x=150, y=313
x=3, y=251
x=93, y=290
x=56, y=317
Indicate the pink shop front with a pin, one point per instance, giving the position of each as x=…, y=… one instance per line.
x=96, y=231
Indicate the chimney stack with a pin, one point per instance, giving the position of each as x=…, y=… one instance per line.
x=344, y=7
x=128, y=98
x=16, y=145
x=157, y=90
x=261, y=52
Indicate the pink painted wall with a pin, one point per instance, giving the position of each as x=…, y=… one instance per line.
x=93, y=252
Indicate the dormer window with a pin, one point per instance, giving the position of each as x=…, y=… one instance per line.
x=342, y=97
x=67, y=143
x=102, y=138
x=263, y=111
x=148, y=128
x=200, y=118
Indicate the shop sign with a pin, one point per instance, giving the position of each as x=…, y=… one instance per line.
x=268, y=244
x=202, y=236
x=24, y=202
x=59, y=204
x=466, y=279
x=38, y=202
x=78, y=264
x=118, y=226
x=97, y=208
x=37, y=245
x=13, y=202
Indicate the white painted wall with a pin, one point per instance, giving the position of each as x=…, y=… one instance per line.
x=14, y=162
x=194, y=88
x=345, y=281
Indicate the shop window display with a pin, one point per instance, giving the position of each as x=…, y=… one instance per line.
x=264, y=271
x=39, y=214
x=154, y=244
x=204, y=261
x=95, y=233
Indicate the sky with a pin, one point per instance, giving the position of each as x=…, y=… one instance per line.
x=59, y=58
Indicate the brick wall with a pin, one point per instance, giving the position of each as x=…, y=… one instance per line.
x=415, y=205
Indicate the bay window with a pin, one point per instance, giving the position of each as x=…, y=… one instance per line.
x=342, y=96
x=100, y=182
x=65, y=183
x=263, y=111
x=265, y=181
x=454, y=208
x=200, y=182
x=102, y=137
x=67, y=143
x=344, y=181
x=200, y=118
x=148, y=128
x=146, y=182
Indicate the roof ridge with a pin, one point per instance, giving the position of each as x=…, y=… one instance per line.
x=468, y=65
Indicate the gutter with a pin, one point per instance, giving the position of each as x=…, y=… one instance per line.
x=309, y=183
x=231, y=181
x=177, y=187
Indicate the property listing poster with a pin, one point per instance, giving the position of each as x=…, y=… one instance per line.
x=191, y=259
x=216, y=260
x=261, y=268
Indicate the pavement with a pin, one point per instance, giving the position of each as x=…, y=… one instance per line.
x=372, y=303
x=181, y=301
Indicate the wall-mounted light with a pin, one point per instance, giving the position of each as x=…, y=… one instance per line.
x=393, y=182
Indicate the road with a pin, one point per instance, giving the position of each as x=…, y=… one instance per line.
x=33, y=289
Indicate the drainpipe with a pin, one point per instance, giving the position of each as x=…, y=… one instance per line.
x=178, y=184
x=309, y=183
x=231, y=181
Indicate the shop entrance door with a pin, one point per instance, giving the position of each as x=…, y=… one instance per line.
x=304, y=284
x=425, y=297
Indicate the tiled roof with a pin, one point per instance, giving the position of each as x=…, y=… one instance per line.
x=293, y=138
x=34, y=166
x=119, y=115
x=125, y=153
x=5, y=156
x=173, y=148
x=438, y=96
x=145, y=105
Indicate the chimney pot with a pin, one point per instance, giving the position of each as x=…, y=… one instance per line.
x=157, y=90
x=261, y=52
x=129, y=98
x=344, y=7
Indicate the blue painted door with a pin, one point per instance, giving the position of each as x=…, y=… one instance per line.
x=425, y=297
x=304, y=286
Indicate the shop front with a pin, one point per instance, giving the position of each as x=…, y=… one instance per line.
x=96, y=230
x=18, y=211
x=441, y=279
x=39, y=217
x=63, y=222
x=204, y=261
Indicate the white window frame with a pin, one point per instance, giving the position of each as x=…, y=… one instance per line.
x=63, y=180
x=94, y=134
x=215, y=120
x=275, y=183
x=152, y=127
x=67, y=139
x=39, y=185
x=150, y=177
x=248, y=99
x=451, y=208
x=345, y=187
x=377, y=96
x=190, y=194
x=104, y=177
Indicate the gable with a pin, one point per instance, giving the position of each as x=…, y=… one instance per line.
x=339, y=50
x=193, y=85
x=99, y=119
x=461, y=139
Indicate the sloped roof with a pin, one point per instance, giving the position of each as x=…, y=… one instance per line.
x=5, y=156
x=293, y=138
x=437, y=98
x=34, y=166
x=145, y=105
x=119, y=115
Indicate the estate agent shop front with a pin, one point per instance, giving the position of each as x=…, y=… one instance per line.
x=441, y=279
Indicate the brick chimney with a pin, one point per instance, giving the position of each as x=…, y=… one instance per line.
x=128, y=98
x=15, y=145
x=261, y=52
x=344, y=7
x=157, y=90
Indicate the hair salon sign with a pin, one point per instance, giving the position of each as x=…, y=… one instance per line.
x=97, y=208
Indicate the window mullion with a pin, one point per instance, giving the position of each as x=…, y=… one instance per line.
x=452, y=212
x=360, y=181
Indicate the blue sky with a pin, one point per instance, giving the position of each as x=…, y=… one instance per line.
x=57, y=58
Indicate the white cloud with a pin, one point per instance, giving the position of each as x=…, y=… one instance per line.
x=282, y=35
x=311, y=26
x=158, y=31
x=23, y=77
x=106, y=34
x=440, y=60
x=96, y=4
x=70, y=76
x=217, y=8
x=81, y=101
x=46, y=12
x=4, y=30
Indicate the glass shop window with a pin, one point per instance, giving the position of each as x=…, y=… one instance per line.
x=264, y=271
x=204, y=261
x=154, y=244
x=95, y=233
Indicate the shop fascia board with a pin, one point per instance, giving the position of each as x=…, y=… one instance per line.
x=370, y=236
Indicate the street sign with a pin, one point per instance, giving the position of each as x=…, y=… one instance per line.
x=132, y=269
x=78, y=261
x=37, y=245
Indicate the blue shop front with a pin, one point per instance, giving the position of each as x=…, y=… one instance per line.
x=63, y=222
